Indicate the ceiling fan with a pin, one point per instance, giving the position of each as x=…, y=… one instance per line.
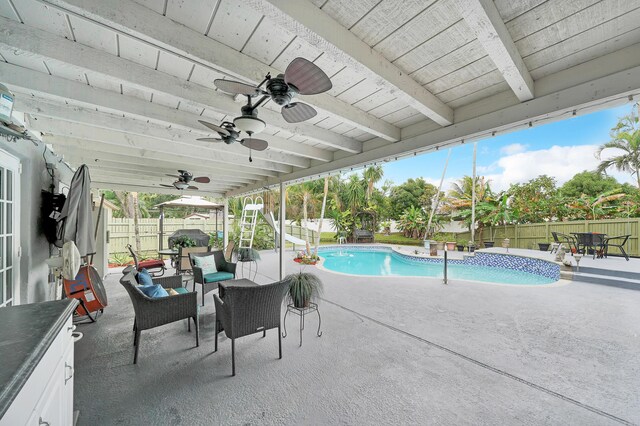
x=184, y=179
x=230, y=134
x=301, y=77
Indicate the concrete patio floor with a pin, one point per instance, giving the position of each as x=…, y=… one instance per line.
x=393, y=351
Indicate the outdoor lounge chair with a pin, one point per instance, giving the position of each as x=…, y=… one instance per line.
x=154, y=312
x=155, y=267
x=226, y=271
x=618, y=242
x=249, y=310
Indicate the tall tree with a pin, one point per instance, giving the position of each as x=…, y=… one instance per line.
x=354, y=193
x=459, y=201
x=136, y=220
x=324, y=204
x=414, y=192
x=372, y=175
x=625, y=141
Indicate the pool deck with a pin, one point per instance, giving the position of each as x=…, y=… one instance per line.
x=393, y=351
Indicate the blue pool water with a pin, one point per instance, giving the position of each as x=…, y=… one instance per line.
x=385, y=262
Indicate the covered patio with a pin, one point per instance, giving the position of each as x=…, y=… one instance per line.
x=392, y=350
x=124, y=90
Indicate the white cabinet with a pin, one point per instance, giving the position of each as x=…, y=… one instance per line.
x=46, y=399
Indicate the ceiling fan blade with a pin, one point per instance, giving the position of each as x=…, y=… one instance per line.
x=173, y=176
x=236, y=87
x=209, y=139
x=297, y=112
x=167, y=186
x=193, y=188
x=255, y=144
x=215, y=128
x=202, y=179
x=308, y=78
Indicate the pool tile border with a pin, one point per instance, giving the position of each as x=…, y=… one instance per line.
x=536, y=266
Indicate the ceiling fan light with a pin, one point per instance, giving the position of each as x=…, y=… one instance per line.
x=181, y=185
x=248, y=124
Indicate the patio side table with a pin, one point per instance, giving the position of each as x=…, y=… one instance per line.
x=302, y=312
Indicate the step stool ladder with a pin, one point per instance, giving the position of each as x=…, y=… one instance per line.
x=250, y=209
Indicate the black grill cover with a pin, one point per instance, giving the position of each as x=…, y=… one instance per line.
x=200, y=237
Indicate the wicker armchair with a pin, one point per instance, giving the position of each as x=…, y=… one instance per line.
x=151, y=313
x=249, y=310
x=226, y=271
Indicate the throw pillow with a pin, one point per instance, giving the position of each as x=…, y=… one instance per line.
x=144, y=278
x=206, y=263
x=171, y=291
x=153, y=290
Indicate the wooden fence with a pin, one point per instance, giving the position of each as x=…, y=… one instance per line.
x=121, y=232
x=529, y=235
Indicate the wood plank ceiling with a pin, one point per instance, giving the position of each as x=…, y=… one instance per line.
x=121, y=89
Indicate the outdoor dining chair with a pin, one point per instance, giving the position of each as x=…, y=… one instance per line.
x=564, y=239
x=154, y=312
x=617, y=242
x=249, y=310
x=184, y=260
x=225, y=271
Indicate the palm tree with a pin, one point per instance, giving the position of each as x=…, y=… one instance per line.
x=625, y=137
x=460, y=200
x=372, y=175
x=354, y=193
x=305, y=192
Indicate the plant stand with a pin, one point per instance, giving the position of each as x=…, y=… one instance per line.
x=301, y=312
x=251, y=263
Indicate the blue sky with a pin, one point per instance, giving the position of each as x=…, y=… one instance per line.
x=558, y=149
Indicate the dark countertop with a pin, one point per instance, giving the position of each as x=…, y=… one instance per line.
x=26, y=332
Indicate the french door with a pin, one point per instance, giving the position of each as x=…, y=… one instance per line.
x=9, y=227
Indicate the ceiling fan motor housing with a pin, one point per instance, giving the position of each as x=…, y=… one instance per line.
x=281, y=92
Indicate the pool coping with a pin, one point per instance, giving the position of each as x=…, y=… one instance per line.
x=396, y=249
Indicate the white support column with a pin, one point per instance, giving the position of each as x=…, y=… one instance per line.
x=281, y=222
x=225, y=223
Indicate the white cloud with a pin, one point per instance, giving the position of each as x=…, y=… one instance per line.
x=559, y=162
x=514, y=148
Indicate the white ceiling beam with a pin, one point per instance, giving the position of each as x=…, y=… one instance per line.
x=177, y=138
x=310, y=23
x=68, y=148
x=563, y=95
x=140, y=22
x=131, y=176
x=92, y=148
x=43, y=45
x=156, y=171
x=50, y=86
x=483, y=18
x=124, y=186
x=94, y=118
x=122, y=141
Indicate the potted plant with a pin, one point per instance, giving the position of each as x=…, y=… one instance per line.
x=247, y=254
x=451, y=242
x=183, y=241
x=306, y=259
x=544, y=246
x=472, y=246
x=304, y=287
x=460, y=244
x=488, y=244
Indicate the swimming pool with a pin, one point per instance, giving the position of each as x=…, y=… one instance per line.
x=487, y=267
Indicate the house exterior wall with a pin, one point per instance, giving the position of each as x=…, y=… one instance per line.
x=34, y=285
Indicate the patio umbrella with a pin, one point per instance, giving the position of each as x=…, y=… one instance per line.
x=76, y=220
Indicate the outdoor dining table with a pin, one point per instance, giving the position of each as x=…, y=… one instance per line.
x=590, y=240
